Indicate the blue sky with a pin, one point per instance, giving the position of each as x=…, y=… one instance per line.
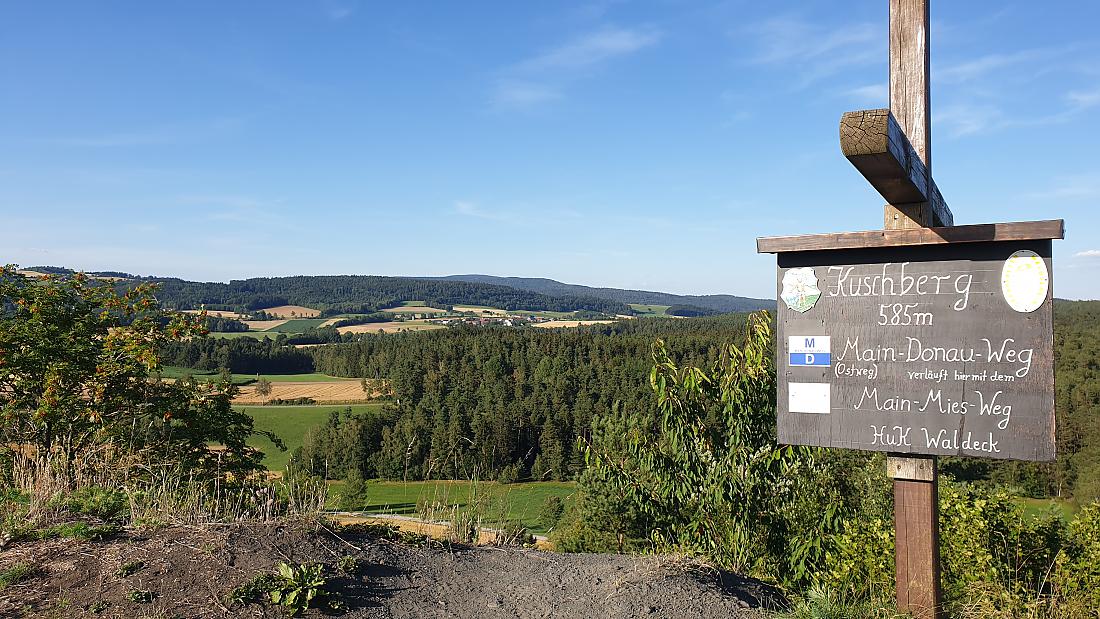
x=628, y=144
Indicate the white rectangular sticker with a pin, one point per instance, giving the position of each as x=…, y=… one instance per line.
x=808, y=398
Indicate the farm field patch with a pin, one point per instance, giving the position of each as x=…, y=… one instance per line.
x=297, y=325
x=415, y=309
x=292, y=311
x=555, y=324
x=217, y=313
x=480, y=311
x=327, y=392
x=290, y=423
x=650, y=310
x=263, y=325
x=496, y=502
x=173, y=372
x=390, y=327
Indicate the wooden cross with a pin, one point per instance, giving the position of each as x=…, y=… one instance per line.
x=892, y=149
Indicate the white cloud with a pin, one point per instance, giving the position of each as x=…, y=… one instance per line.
x=338, y=10
x=542, y=78
x=469, y=209
x=591, y=49
x=873, y=94
x=1081, y=187
x=791, y=39
x=1088, y=253
x=978, y=67
x=1083, y=100
x=520, y=94
x=965, y=119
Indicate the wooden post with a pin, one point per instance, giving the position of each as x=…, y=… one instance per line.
x=916, y=490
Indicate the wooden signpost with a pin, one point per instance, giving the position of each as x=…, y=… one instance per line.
x=922, y=339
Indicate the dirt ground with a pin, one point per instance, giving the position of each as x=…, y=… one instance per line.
x=188, y=571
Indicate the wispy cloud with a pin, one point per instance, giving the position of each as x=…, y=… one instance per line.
x=961, y=119
x=1079, y=187
x=338, y=10
x=469, y=209
x=591, y=49
x=812, y=49
x=871, y=94
x=1084, y=100
x=543, y=77
x=235, y=208
x=1088, y=253
x=967, y=70
x=182, y=133
x=519, y=94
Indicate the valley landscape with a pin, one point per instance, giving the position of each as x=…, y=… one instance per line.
x=549, y=310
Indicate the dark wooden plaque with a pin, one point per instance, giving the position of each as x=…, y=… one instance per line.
x=936, y=349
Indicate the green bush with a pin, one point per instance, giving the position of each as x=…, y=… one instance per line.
x=1076, y=576
x=553, y=508
x=101, y=503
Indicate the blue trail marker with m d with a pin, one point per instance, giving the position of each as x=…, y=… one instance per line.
x=809, y=350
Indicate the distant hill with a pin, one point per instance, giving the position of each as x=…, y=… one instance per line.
x=717, y=302
x=335, y=294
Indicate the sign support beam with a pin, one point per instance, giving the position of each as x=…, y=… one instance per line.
x=916, y=501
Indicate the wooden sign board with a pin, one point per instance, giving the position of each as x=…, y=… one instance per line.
x=932, y=343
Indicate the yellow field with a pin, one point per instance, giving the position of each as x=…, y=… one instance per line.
x=389, y=327
x=554, y=324
x=415, y=309
x=481, y=311
x=344, y=391
x=298, y=311
x=263, y=325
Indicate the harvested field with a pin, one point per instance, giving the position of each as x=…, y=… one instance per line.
x=292, y=311
x=481, y=311
x=218, y=313
x=333, y=392
x=390, y=327
x=415, y=309
x=555, y=324
x=263, y=325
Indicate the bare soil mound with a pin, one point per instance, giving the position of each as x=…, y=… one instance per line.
x=188, y=572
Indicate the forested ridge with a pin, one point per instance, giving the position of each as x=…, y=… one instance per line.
x=509, y=401
x=504, y=403
x=718, y=303
x=363, y=294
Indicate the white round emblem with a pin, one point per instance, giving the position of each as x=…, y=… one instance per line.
x=1025, y=281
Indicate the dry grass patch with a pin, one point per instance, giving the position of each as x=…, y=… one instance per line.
x=341, y=392
x=555, y=324
x=481, y=311
x=292, y=311
x=389, y=327
x=415, y=309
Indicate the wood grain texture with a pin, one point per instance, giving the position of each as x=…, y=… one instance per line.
x=974, y=233
x=909, y=100
x=917, y=552
x=916, y=503
x=874, y=142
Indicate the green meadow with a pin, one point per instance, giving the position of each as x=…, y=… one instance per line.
x=290, y=423
x=650, y=310
x=495, y=502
